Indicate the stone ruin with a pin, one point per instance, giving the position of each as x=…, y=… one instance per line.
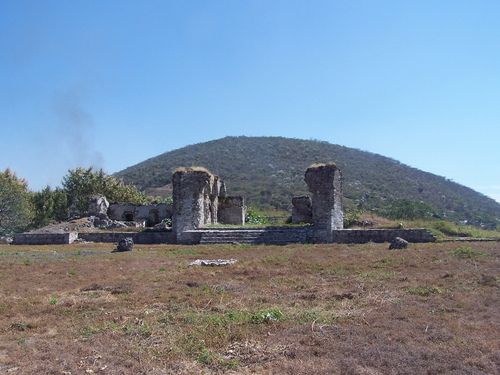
x=302, y=210
x=200, y=199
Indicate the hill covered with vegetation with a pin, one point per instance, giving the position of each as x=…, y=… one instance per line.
x=268, y=171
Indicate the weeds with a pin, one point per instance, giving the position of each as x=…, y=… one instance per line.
x=423, y=291
x=466, y=252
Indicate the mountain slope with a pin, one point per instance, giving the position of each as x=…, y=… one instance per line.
x=268, y=171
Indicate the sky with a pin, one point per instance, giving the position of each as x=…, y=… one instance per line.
x=112, y=83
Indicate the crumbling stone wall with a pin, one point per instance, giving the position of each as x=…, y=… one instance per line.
x=325, y=183
x=191, y=193
x=151, y=213
x=301, y=210
x=232, y=210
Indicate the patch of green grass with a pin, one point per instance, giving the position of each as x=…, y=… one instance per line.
x=376, y=275
x=27, y=262
x=386, y=262
x=267, y=316
x=71, y=273
x=466, y=252
x=89, y=331
x=423, y=291
x=53, y=301
x=161, y=269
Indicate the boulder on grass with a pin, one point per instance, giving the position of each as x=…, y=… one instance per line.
x=125, y=244
x=398, y=243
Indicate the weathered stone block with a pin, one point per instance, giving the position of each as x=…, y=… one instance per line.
x=232, y=210
x=191, y=193
x=325, y=183
x=98, y=205
x=301, y=209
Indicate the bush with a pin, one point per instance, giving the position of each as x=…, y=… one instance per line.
x=409, y=210
x=49, y=205
x=81, y=184
x=16, y=210
x=255, y=217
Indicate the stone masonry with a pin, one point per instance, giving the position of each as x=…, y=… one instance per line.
x=232, y=210
x=191, y=193
x=325, y=183
x=301, y=210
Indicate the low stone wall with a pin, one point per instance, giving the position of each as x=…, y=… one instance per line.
x=138, y=237
x=44, y=238
x=381, y=235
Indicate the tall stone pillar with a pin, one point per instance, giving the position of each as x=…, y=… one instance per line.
x=325, y=183
x=191, y=188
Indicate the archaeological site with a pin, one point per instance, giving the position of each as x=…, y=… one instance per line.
x=203, y=213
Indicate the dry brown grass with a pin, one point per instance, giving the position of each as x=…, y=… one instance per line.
x=299, y=309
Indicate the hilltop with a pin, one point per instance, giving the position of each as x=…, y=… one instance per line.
x=268, y=171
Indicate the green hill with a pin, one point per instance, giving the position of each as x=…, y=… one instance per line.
x=268, y=171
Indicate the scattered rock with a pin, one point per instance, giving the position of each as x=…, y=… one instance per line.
x=489, y=280
x=5, y=240
x=161, y=226
x=398, y=243
x=125, y=244
x=446, y=275
x=213, y=262
x=341, y=296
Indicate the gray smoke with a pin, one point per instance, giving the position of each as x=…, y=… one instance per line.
x=76, y=129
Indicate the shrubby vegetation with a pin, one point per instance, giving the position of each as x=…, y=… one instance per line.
x=409, y=210
x=16, y=211
x=82, y=183
x=21, y=209
x=49, y=205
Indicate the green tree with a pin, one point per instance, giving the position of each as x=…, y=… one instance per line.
x=15, y=203
x=81, y=184
x=409, y=210
x=49, y=205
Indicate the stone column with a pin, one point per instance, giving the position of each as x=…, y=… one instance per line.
x=325, y=183
x=191, y=187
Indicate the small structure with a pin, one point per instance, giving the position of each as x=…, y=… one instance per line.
x=152, y=214
x=232, y=210
x=301, y=210
x=325, y=183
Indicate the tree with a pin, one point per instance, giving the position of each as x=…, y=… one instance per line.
x=410, y=210
x=81, y=184
x=15, y=204
x=49, y=205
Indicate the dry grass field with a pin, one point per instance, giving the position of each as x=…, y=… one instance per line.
x=298, y=309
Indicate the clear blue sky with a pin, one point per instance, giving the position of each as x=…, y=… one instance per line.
x=111, y=83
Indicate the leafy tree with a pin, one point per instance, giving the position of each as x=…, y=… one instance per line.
x=409, y=210
x=49, y=205
x=15, y=203
x=81, y=184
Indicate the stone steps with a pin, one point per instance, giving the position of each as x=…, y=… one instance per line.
x=254, y=236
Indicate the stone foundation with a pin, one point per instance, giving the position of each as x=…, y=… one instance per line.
x=381, y=235
x=152, y=214
x=44, y=238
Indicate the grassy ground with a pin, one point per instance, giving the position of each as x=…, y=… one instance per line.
x=298, y=309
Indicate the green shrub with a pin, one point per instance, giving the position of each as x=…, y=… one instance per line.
x=254, y=216
x=466, y=252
